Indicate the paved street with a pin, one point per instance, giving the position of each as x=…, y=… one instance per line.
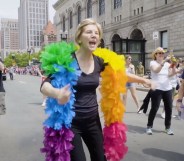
x=21, y=131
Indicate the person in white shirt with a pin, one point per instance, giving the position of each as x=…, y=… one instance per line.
x=160, y=73
x=11, y=73
x=130, y=68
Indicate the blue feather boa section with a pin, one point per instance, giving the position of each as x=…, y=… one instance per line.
x=62, y=115
x=58, y=62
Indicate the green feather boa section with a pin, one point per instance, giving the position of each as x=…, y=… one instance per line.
x=57, y=54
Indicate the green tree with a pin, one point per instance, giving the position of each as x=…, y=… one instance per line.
x=20, y=59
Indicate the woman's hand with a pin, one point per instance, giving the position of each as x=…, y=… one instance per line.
x=136, y=79
x=63, y=94
x=168, y=58
x=149, y=84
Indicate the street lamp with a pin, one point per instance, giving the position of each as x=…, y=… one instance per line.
x=13, y=58
x=64, y=35
x=29, y=52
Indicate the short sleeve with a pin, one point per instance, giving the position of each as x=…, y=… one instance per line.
x=152, y=63
x=48, y=79
x=101, y=63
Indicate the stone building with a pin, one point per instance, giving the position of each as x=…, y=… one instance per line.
x=32, y=16
x=49, y=34
x=9, y=36
x=133, y=27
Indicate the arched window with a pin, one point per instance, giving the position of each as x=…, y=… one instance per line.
x=79, y=14
x=89, y=9
x=136, y=34
x=71, y=20
x=102, y=44
x=101, y=7
x=117, y=3
x=135, y=46
x=117, y=43
x=64, y=27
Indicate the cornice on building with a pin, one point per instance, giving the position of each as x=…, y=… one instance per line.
x=58, y=4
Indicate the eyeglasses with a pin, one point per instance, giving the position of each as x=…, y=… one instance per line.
x=160, y=53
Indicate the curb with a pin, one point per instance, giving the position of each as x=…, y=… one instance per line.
x=142, y=89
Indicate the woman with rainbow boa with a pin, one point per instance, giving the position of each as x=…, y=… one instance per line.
x=72, y=107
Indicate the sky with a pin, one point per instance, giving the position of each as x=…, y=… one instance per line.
x=9, y=9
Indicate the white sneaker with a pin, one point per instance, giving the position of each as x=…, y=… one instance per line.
x=169, y=131
x=43, y=104
x=149, y=131
x=139, y=111
x=163, y=115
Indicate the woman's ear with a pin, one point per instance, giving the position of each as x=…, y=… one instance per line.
x=79, y=42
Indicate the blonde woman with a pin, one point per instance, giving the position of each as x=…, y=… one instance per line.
x=160, y=73
x=86, y=123
x=130, y=69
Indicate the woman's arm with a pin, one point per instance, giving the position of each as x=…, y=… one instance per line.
x=158, y=68
x=62, y=95
x=136, y=79
x=181, y=90
x=173, y=71
x=180, y=93
x=180, y=96
x=1, y=66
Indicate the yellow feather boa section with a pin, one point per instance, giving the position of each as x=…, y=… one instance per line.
x=113, y=83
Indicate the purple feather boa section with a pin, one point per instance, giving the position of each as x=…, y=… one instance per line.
x=57, y=144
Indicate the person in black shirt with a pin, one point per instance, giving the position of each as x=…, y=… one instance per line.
x=2, y=91
x=86, y=123
x=180, y=94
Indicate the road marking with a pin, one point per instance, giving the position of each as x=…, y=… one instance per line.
x=22, y=82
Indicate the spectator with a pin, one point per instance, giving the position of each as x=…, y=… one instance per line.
x=160, y=73
x=140, y=70
x=2, y=91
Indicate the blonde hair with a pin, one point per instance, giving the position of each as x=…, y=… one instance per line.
x=127, y=56
x=157, y=50
x=84, y=23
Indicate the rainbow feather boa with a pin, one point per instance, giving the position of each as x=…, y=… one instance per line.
x=57, y=61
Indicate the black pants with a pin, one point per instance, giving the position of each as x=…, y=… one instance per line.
x=11, y=76
x=156, y=97
x=89, y=129
x=146, y=101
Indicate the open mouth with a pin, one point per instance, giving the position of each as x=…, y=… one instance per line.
x=92, y=43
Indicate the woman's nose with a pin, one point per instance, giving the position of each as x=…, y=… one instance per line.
x=93, y=34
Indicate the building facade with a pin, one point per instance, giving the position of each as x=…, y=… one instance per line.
x=133, y=27
x=33, y=16
x=9, y=36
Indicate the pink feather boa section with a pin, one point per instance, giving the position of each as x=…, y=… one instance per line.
x=114, y=141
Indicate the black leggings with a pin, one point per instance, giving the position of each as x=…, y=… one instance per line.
x=156, y=97
x=89, y=129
